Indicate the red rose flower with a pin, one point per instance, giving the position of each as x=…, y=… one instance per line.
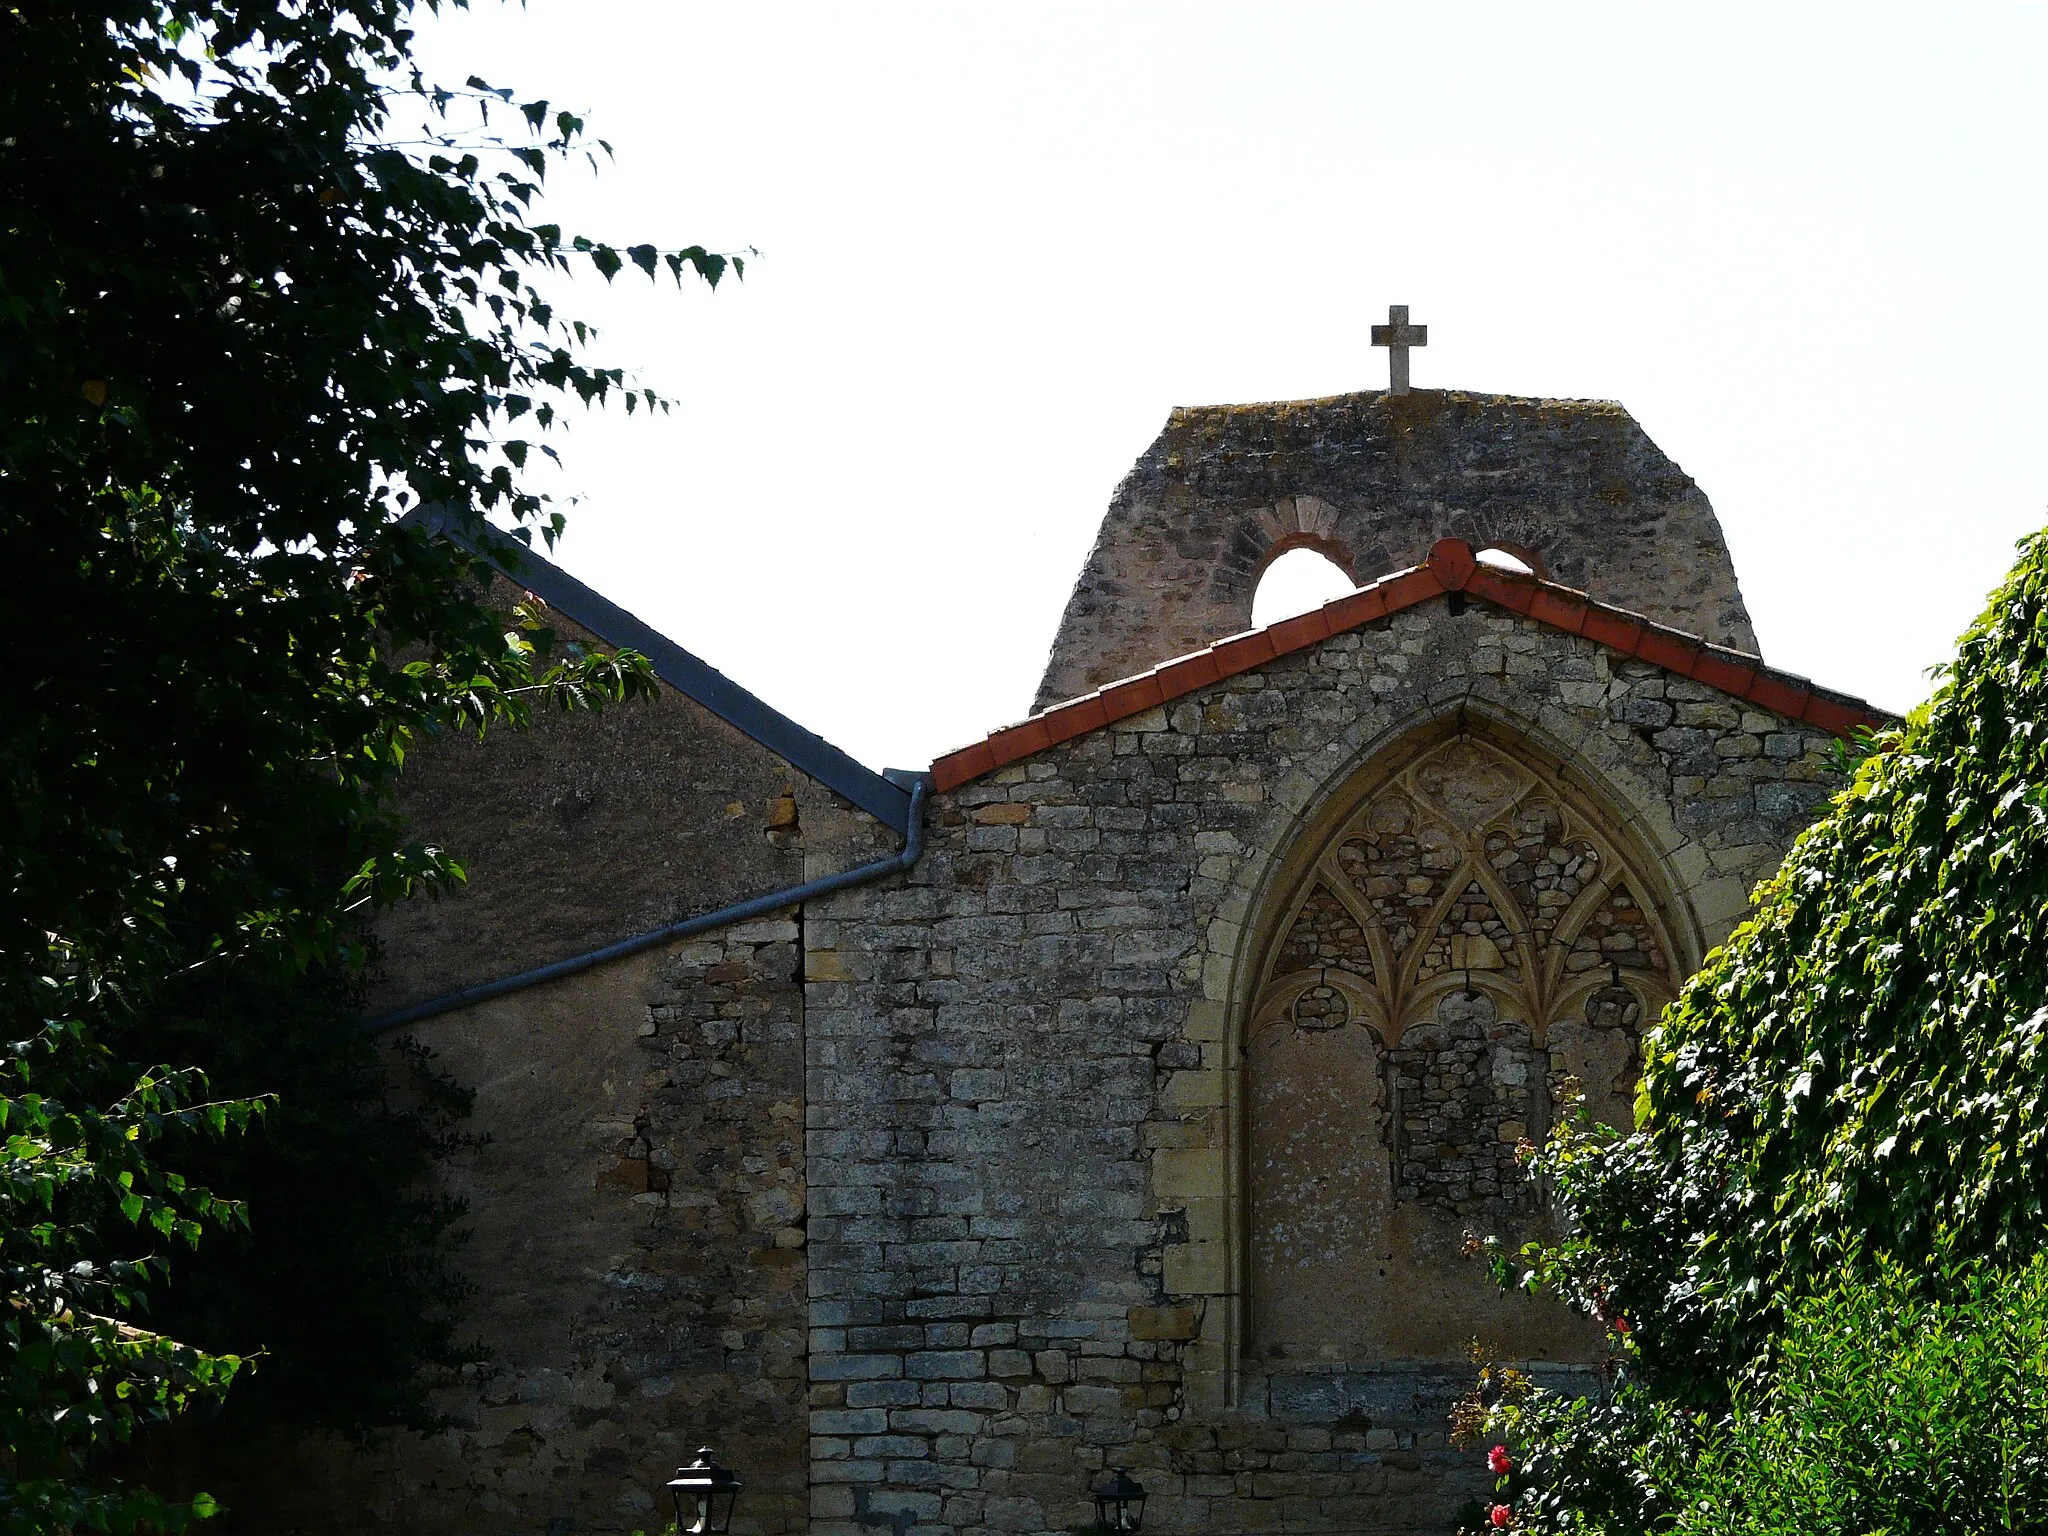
x=1501, y=1516
x=1621, y=1327
x=1497, y=1461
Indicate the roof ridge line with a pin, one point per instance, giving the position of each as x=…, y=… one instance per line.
x=1451, y=566
x=683, y=670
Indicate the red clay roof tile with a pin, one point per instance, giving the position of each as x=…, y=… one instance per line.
x=1780, y=693
x=1133, y=696
x=1451, y=567
x=1729, y=671
x=1355, y=608
x=1615, y=628
x=1671, y=649
x=1549, y=606
x=1452, y=562
x=1839, y=716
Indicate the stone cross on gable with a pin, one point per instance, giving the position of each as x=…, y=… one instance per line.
x=1397, y=336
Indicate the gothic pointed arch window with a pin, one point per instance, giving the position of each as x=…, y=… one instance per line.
x=1468, y=932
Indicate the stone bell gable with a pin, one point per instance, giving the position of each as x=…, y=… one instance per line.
x=1147, y=1115
x=1574, y=487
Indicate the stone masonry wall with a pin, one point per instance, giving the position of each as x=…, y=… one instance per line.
x=1372, y=480
x=636, y=1228
x=1026, y=1112
x=581, y=830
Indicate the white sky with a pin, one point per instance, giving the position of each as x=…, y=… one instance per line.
x=1804, y=244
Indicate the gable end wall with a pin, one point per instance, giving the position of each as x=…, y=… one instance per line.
x=1023, y=1155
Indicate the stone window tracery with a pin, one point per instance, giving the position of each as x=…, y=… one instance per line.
x=1479, y=922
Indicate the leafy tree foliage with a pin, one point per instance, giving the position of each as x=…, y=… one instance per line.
x=263, y=288
x=1893, y=1401
x=78, y=1375
x=1858, y=1078
x=344, y=1273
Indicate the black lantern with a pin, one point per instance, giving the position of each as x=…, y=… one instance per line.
x=1119, y=1502
x=704, y=1494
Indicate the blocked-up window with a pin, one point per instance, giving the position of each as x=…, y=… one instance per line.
x=1472, y=935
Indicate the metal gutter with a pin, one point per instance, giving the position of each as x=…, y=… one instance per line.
x=688, y=674
x=738, y=912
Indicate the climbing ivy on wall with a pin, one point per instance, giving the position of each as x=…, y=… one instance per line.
x=1859, y=1076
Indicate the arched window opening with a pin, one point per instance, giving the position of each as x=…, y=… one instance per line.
x=1299, y=580
x=1473, y=944
x=1516, y=562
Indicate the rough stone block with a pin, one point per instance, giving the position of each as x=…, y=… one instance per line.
x=1196, y=1269
x=881, y=1394
x=1010, y=1362
x=1182, y=1322
x=934, y=1421
x=1083, y=1401
x=866, y=1421
x=1188, y=1171
x=945, y=1365
x=855, y=1367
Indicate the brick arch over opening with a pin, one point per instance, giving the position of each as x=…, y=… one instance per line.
x=1373, y=480
x=1435, y=951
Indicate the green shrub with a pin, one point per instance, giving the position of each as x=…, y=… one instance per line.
x=1858, y=1077
x=1892, y=1406
x=1865, y=1063
x=1891, y=1403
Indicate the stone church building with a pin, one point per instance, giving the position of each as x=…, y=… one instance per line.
x=1120, y=1089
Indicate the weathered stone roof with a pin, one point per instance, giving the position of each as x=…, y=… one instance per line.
x=1575, y=487
x=1451, y=567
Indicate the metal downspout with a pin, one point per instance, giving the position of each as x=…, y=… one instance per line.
x=738, y=912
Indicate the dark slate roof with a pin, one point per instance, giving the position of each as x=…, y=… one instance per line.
x=687, y=674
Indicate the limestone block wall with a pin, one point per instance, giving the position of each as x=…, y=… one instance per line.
x=1372, y=480
x=636, y=1240
x=636, y=1226
x=1027, y=1104
x=581, y=830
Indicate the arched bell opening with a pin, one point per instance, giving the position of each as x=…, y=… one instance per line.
x=1298, y=579
x=1516, y=559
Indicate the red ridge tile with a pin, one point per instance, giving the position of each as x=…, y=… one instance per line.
x=1719, y=669
x=1550, y=606
x=1407, y=588
x=1241, y=653
x=1501, y=589
x=1084, y=714
x=1613, y=628
x=1303, y=629
x=1555, y=606
x=1831, y=716
x=1034, y=735
x=1772, y=691
x=1361, y=607
x=956, y=768
x=1452, y=562
x=1191, y=672
x=1668, y=649
x=1132, y=697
